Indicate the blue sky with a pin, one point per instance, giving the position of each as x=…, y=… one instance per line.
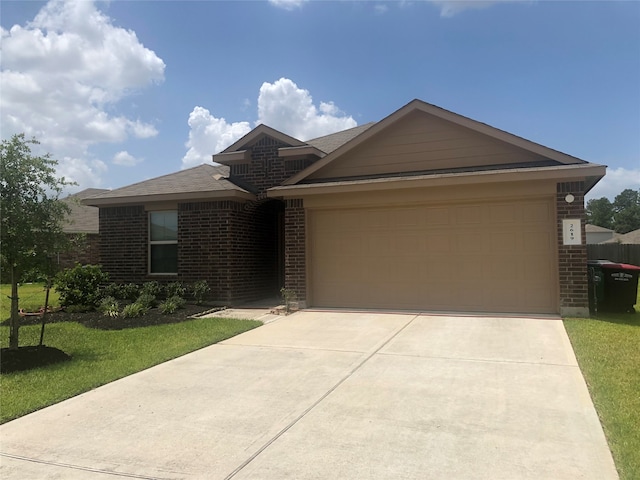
x=123, y=91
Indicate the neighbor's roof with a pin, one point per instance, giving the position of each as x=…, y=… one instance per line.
x=204, y=181
x=83, y=218
x=632, y=237
x=596, y=229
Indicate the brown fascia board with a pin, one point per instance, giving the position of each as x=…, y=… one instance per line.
x=303, y=151
x=262, y=129
x=170, y=197
x=232, y=158
x=419, y=105
x=562, y=173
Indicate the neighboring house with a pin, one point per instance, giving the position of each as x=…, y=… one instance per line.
x=82, y=226
x=596, y=234
x=631, y=238
x=423, y=210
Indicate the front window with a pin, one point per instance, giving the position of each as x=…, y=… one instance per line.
x=163, y=242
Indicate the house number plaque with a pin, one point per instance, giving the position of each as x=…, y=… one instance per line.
x=571, y=231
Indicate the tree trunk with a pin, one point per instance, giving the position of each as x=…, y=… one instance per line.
x=15, y=317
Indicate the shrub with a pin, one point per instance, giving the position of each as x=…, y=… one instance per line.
x=148, y=300
x=175, y=289
x=151, y=288
x=134, y=310
x=80, y=285
x=79, y=308
x=200, y=289
x=112, y=290
x=168, y=307
x=179, y=301
x=129, y=291
x=109, y=306
x=289, y=296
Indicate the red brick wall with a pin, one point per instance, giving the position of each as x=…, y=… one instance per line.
x=86, y=250
x=572, y=259
x=205, y=244
x=266, y=169
x=123, y=243
x=231, y=245
x=295, y=248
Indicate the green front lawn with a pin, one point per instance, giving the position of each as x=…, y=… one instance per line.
x=608, y=351
x=98, y=356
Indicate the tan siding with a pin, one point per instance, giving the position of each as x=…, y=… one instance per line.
x=420, y=142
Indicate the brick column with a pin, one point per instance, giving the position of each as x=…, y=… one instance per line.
x=572, y=259
x=295, y=266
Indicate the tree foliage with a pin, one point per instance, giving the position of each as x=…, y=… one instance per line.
x=31, y=215
x=600, y=212
x=626, y=211
x=621, y=215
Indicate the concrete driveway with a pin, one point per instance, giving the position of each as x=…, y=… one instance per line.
x=334, y=395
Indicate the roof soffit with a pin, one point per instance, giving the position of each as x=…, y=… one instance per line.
x=421, y=106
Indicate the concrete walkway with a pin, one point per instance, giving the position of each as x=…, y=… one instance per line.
x=334, y=395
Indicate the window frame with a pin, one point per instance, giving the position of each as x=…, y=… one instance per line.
x=151, y=242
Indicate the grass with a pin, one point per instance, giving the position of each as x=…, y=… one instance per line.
x=98, y=356
x=608, y=352
x=31, y=298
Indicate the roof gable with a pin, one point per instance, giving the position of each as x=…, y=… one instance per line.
x=254, y=135
x=423, y=137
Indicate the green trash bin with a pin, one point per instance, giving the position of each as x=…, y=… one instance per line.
x=613, y=287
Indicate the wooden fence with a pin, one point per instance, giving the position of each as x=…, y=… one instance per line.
x=615, y=252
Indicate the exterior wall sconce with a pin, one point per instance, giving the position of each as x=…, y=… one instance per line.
x=569, y=198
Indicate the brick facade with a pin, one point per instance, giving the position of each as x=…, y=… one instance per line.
x=85, y=250
x=572, y=259
x=234, y=246
x=266, y=169
x=124, y=243
x=295, y=249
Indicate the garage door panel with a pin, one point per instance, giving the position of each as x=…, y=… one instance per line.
x=468, y=215
x=494, y=257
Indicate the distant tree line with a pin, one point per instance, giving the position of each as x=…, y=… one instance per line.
x=622, y=215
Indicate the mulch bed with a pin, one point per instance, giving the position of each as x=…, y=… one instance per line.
x=25, y=358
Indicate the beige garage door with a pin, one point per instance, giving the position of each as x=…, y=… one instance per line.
x=488, y=257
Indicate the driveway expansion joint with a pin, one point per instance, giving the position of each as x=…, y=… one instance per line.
x=319, y=400
x=79, y=467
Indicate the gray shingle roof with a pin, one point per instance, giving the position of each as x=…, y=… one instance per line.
x=632, y=237
x=596, y=229
x=329, y=143
x=200, y=179
x=83, y=218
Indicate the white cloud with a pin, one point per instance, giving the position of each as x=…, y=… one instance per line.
x=615, y=181
x=287, y=4
x=449, y=8
x=290, y=109
x=80, y=170
x=209, y=135
x=125, y=159
x=281, y=105
x=62, y=76
x=380, y=8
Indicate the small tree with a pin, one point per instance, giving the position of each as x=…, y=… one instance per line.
x=31, y=215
